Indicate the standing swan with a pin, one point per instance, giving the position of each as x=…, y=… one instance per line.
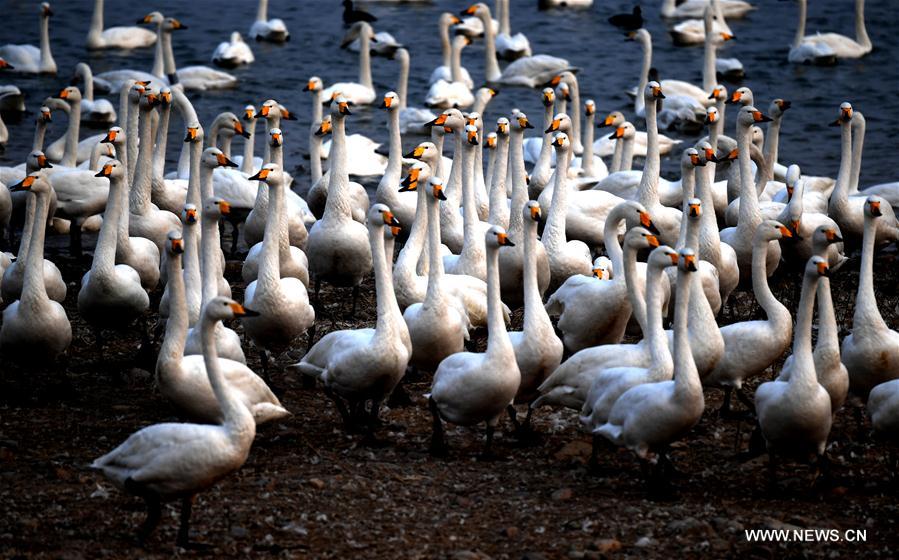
x=168, y=461
x=28, y=58
x=470, y=388
x=130, y=37
x=35, y=328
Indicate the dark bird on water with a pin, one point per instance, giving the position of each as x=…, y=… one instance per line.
x=352, y=15
x=628, y=22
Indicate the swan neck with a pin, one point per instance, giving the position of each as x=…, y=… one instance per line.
x=172, y=349
x=749, y=216
x=249, y=146
x=162, y=137
x=866, y=311
x=519, y=182
x=25, y=241
x=687, y=386
x=70, y=154
x=587, y=156
x=456, y=64
x=844, y=175
x=317, y=105
x=269, y=261
x=338, y=205
x=710, y=238
x=469, y=205
x=40, y=131
x=499, y=210
x=403, y=83
x=96, y=27
x=861, y=32
x=236, y=417
x=491, y=66
x=139, y=201
x=772, y=144
x=194, y=179
x=445, y=47
x=192, y=279
x=858, y=144
x=47, y=62
x=709, y=79
x=365, y=62
x=648, y=193
x=828, y=334
x=655, y=333
x=435, y=260
x=610, y=237
x=104, y=254
x=262, y=11
x=800, y=26
x=804, y=367
x=554, y=232
x=167, y=62
x=638, y=300
x=395, y=151
x=389, y=315
x=131, y=139
x=640, y=100
x=575, y=115
x=498, y=341
x=87, y=80
x=33, y=288
x=760, y=286
x=617, y=154
x=315, y=157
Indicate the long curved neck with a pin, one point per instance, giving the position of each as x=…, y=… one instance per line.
x=40, y=131
x=535, y=315
x=587, y=156
x=688, y=184
x=171, y=70
x=123, y=243
x=760, y=280
x=858, y=145
x=269, y=262
x=491, y=66
x=638, y=301
x=104, y=254
x=617, y=153
x=438, y=138
x=627, y=155
x=502, y=15
x=866, y=311
x=828, y=333
x=435, y=261
x=139, y=201
x=194, y=186
x=365, y=61
x=554, y=232
x=262, y=11
x=519, y=182
x=544, y=160
x=87, y=80
x=419, y=233
x=249, y=146
x=236, y=417
x=33, y=289
x=686, y=378
x=25, y=241
x=403, y=82
x=610, y=237
x=209, y=257
x=772, y=142
x=750, y=216
x=162, y=136
x=840, y=193
x=803, y=371
x=499, y=210
x=456, y=63
x=47, y=62
x=172, y=349
x=389, y=316
x=193, y=284
x=648, y=191
x=709, y=79
x=159, y=54
x=469, y=204
x=316, y=105
x=498, y=341
x=337, y=205
x=861, y=33
x=445, y=47
x=640, y=101
x=315, y=157
x=96, y=27
x=453, y=189
x=70, y=154
x=800, y=25
x=655, y=332
x=395, y=152
x=575, y=115
x=710, y=239
x=132, y=139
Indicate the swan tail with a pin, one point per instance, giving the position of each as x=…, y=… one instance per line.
x=268, y=412
x=611, y=432
x=307, y=369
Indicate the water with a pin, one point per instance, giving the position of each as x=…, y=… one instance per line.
x=608, y=66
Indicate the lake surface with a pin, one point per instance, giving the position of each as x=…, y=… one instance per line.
x=609, y=66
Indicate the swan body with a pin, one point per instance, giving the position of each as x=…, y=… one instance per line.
x=509, y=46
x=264, y=29
x=695, y=8
x=361, y=92
x=118, y=37
x=28, y=58
x=233, y=52
x=827, y=47
x=444, y=71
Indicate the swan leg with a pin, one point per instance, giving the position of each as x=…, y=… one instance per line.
x=487, y=454
x=154, y=509
x=772, y=472
x=747, y=402
x=184, y=528
x=824, y=478
x=513, y=417
x=399, y=398
x=355, y=300
x=75, y=241
x=341, y=408
x=438, y=440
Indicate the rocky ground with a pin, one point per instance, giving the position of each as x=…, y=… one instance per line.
x=311, y=490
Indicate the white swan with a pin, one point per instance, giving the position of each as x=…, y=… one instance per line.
x=118, y=37
x=28, y=58
x=508, y=46
x=693, y=32
x=412, y=119
x=695, y=8
x=470, y=388
x=265, y=29
x=365, y=364
x=114, y=80
x=168, y=461
x=93, y=110
x=470, y=260
x=233, y=52
x=401, y=204
x=529, y=71
x=444, y=71
x=605, y=146
x=454, y=92
x=841, y=45
x=67, y=150
x=363, y=91
x=35, y=328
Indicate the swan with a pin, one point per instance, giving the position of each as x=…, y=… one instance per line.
x=233, y=52
x=805, y=224
x=444, y=71
x=28, y=58
x=611, y=383
x=199, y=78
x=568, y=78
x=361, y=92
x=173, y=460
x=695, y=8
x=292, y=260
x=67, y=150
x=282, y=301
x=692, y=31
x=470, y=260
x=538, y=151
x=111, y=295
x=118, y=37
x=454, y=92
x=495, y=183
x=795, y=415
x=848, y=211
x=840, y=45
x=166, y=194
x=470, y=388
x=592, y=168
x=264, y=29
x=13, y=277
x=729, y=68
x=99, y=111
x=538, y=351
x=606, y=146
x=528, y=71
x=508, y=46
x=451, y=225
x=35, y=328
x=190, y=295
x=412, y=119
x=482, y=198
x=401, y=204
x=182, y=380
x=750, y=347
x=870, y=351
x=365, y=364
x=648, y=418
x=829, y=368
x=114, y=80
x=593, y=311
x=337, y=247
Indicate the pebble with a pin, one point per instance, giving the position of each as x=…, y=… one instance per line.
x=563, y=494
x=317, y=482
x=511, y=532
x=644, y=542
x=238, y=532
x=604, y=546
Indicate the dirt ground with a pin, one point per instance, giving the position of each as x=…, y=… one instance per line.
x=309, y=490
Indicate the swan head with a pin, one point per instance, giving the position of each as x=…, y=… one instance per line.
x=523, y=122
x=70, y=94
x=694, y=208
x=194, y=133
x=172, y=24
x=687, y=260
x=236, y=126
x=36, y=183
x=561, y=142
x=548, y=97
x=436, y=184
x=115, y=135
x=480, y=9
x=5, y=65
x=663, y=256
x=691, y=157
x=152, y=17
x=249, y=113
x=460, y=42
x=391, y=101
x=165, y=96
x=845, y=114
x=340, y=107
x=712, y=115
x=615, y=118
x=653, y=91
x=136, y=91
x=471, y=134
x=638, y=217
x=749, y=116
x=772, y=230
x=45, y=10
x=817, y=267
x=589, y=107
x=793, y=175
x=779, y=107
x=873, y=206
x=426, y=152
x=380, y=214
x=112, y=169
x=624, y=130
x=826, y=235
x=718, y=92
x=417, y=172
x=314, y=84
x=275, y=137
x=447, y=20
x=222, y=309
x=490, y=140
x=706, y=152
x=174, y=243
x=214, y=208
x=485, y=94
x=532, y=211
x=602, y=268
x=560, y=123
x=360, y=30
x=149, y=99
x=641, y=238
x=324, y=127
x=496, y=237
x=189, y=214
x=45, y=115
x=451, y=120
x=214, y=157
x=742, y=95
x=270, y=172
x=37, y=160
x=640, y=35
x=502, y=126
x=564, y=92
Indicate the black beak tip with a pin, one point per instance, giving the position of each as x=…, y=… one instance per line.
x=441, y=196
x=100, y=174
x=250, y=313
